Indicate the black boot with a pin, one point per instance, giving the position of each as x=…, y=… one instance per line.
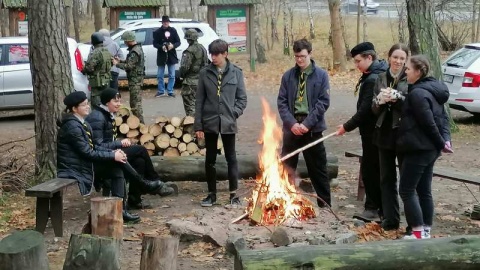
x=151, y=187
x=138, y=205
x=130, y=218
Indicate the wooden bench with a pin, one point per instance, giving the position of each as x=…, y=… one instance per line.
x=437, y=171
x=50, y=203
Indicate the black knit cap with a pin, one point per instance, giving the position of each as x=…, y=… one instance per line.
x=361, y=48
x=109, y=94
x=75, y=98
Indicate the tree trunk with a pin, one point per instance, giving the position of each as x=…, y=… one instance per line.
x=365, y=36
x=477, y=35
x=89, y=8
x=23, y=250
x=310, y=19
x=193, y=168
x=172, y=9
x=92, y=252
x=51, y=78
x=3, y=22
x=275, y=10
x=474, y=20
x=76, y=19
x=68, y=12
x=359, y=12
x=401, y=24
x=259, y=46
x=97, y=14
x=339, y=61
x=159, y=253
x=286, y=40
x=460, y=252
x=107, y=219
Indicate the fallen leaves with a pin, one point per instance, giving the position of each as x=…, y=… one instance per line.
x=374, y=232
x=16, y=212
x=202, y=252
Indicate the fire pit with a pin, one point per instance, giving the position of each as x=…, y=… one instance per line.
x=274, y=199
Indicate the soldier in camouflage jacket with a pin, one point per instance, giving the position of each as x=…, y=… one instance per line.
x=134, y=66
x=97, y=67
x=193, y=60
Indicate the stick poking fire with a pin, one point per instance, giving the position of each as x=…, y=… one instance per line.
x=274, y=199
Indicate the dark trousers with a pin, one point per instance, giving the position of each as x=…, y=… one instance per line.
x=388, y=184
x=416, y=187
x=315, y=159
x=370, y=169
x=211, y=158
x=112, y=177
x=140, y=160
x=114, y=80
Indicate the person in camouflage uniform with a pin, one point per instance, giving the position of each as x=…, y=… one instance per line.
x=194, y=58
x=97, y=67
x=134, y=66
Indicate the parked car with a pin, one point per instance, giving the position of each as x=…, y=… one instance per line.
x=16, y=90
x=352, y=6
x=461, y=73
x=144, y=33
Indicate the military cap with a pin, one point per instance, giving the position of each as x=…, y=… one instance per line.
x=128, y=36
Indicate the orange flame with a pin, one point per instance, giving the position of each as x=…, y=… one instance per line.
x=274, y=199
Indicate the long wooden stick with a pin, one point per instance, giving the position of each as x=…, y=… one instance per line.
x=307, y=146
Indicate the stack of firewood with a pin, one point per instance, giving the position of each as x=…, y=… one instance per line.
x=166, y=137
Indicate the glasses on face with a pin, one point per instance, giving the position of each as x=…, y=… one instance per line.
x=300, y=57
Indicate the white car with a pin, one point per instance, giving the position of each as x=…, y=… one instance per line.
x=144, y=29
x=461, y=73
x=16, y=90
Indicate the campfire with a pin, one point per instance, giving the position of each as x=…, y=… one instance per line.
x=274, y=199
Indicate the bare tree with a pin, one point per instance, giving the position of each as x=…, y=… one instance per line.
x=172, y=8
x=267, y=22
x=359, y=11
x=51, y=78
x=259, y=46
x=275, y=10
x=339, y=61
x=97, y=14
x=365, y=36
x=310, y=19
x=3, y=22
x=89, y=8
x=76, y=18
x=474, y=21
x=402, y=36
x=286, y=40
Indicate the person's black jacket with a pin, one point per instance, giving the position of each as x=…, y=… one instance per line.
x=102, y=125
x=75, y=156
x=159, y=39
x=364, y=118
x=424, y=123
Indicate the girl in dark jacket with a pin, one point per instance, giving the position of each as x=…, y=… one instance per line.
x=423, y=133
x=76, y=151
x=390, y=90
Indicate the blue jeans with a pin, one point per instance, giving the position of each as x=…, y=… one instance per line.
x=171, y=79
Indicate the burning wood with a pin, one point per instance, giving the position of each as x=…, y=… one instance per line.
x=274, y=199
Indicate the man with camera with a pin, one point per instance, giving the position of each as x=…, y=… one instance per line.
x=166, y=40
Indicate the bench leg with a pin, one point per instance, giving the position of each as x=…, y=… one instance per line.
x=56, y=214
x=41, y=214
x=361, y=187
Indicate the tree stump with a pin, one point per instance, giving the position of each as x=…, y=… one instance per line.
x=92, y=252
x=159, y=253
x=23, y=250
x=107, y=219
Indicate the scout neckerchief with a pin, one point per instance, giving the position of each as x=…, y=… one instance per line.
x=89, y=134
x=302, y=86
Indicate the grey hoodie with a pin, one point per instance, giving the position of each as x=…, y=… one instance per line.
x=115, y=50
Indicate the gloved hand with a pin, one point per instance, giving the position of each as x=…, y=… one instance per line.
x=448, y=147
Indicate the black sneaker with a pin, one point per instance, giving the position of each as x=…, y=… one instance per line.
x=235, y=203
x=210, y=200
x=171, y=95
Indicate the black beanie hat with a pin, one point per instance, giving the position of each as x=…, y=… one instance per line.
x=75, y=98
x=361, y=48
x=108, y=94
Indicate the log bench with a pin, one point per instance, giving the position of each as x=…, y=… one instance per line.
x=437, y=171
x=50, y=203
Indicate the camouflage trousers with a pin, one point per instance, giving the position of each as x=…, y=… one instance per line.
x=135, y=89
x=188, y=96
x=95, y=95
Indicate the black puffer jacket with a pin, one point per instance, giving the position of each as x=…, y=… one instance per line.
x=74, y=154
x=102, y=125
x=364, y=118
x=424, y=123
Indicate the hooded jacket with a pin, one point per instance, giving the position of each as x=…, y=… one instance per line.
x=115, y=50
x=424, y=122
x=75, y=156
x=364, y=118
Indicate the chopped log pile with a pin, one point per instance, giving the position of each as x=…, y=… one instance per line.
x=170, y=137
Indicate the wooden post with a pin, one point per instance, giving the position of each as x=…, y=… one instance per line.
x=23, y=250
x=107, y=219
x=159, y=253
x=92, y=252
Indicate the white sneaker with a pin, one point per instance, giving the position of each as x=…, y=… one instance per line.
x=426, y=234
x=410, y=236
